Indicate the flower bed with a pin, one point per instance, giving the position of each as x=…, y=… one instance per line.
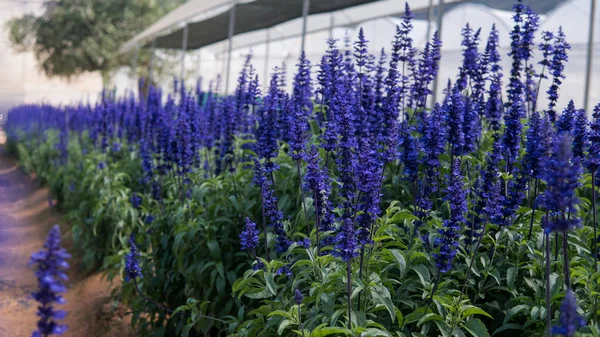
x=348, y=207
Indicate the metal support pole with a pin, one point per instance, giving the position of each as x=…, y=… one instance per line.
x=134, y=66
x=590, y=56
x=429, y=18
x=184, y=43
x=151, y=62
x=305, y=9
x=223, y=66
x=268, y=46
x=199, y=65
x=230, y=37
x=440, y=15
x=331, y=25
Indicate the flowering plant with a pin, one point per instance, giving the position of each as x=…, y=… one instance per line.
x=353, y=205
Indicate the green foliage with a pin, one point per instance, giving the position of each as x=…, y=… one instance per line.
x=191, y=258
x=72, y=37
x=190, y=249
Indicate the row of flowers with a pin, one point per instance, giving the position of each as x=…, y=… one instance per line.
x=432, y=212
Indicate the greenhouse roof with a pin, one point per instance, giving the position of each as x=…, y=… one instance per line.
x=210, y=20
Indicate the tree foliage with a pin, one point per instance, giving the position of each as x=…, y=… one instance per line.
x=71, y=37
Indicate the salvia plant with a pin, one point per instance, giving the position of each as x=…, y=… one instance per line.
x=353, y=205
x=50, y=269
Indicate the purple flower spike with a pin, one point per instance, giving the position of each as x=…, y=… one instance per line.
x=493, y=106
x=557, y=67
x=298, y=296
x=51, y=263
x=570, y=319
x=562, y=177
x=249, y=236
x=593, y=160
x=273, y=214
x=580, y=135
x=132, y=265
x=446, y=244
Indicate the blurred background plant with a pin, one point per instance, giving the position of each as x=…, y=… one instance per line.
x=72, y=37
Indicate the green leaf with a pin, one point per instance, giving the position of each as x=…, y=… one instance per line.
x=180, y=309
x=535, y=311
x=399, y=317
x=330, y=330
x=270, y=281
x=471, y=310
x=265, y=293
x=513, y=311
x=415, y=315
x=186, y=330
x=401, y=216
x=429, y=317
x=280, y=313
x=477, y=328
x=381, y=295
x=511, y=276
x=496, y=275
x=457, y=332
x=511, y=326
x=215, y=251
x=372, y=332
x=399, y=260
x=423, y=273
x=283, y=325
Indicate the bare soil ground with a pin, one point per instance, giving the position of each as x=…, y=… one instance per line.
x=25, y=218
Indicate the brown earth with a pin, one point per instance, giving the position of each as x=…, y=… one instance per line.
x=25, y=218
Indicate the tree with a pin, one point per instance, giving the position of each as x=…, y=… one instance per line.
x=72, y=37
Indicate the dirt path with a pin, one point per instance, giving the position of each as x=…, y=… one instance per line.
x=25, y=218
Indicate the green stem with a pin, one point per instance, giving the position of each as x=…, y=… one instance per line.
x=535, y=191
x=349, y=275
x=595, y=239
x=464, y=288
x=360, y=270
x=264, y=225
x=317, y=222
x=548, y=304
x=302, y=194
x=566, y=259
x=435, y=286
x=300, y=321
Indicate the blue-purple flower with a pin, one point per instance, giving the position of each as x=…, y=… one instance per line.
x=136, y=201
x=566, y=121
x=470, y=65
x=249, y=236
x=454, y=109
x=271, y=211
x=592, y=163
x=534, y=145
x=51, y=263
x=285, y=270
x=580, y=135
x=561, y=177
x=570, y=319
x=298, y=296
x=446, y=244
x=557, y=66
x=132, y=264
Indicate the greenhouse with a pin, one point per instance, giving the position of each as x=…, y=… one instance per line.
x=378, y=19
x=309, y=168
